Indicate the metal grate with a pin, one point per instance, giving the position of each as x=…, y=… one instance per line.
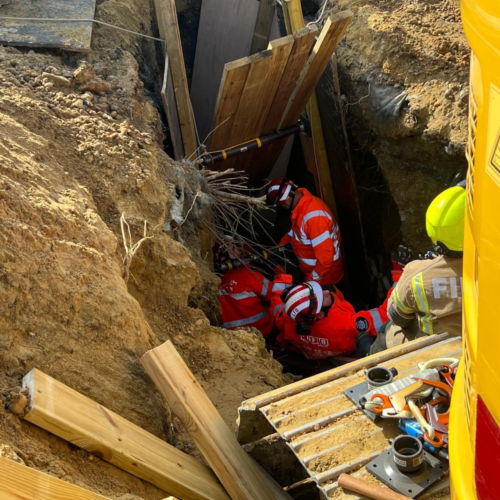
x=470, y=151
x=329, y=435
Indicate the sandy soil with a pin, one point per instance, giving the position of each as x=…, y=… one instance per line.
x=81, y=145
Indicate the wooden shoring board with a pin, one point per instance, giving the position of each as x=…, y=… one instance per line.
x=224, y=35
x=170, y=107
x=321, y=54
x=19, y=482
x=73, y=36
x=304, y=39
x=264, y=159
x=318, y=444
x=88, y=425
x=281, y=52
x=240, y=475
x=265, y=18
x=247, y=114
x=168, y=26
x=231, y=87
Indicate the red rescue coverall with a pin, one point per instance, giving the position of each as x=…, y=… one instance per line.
x=315, y=240
x=333, y=335
x=242, y=296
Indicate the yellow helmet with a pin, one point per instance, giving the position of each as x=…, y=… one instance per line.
x=445, y=219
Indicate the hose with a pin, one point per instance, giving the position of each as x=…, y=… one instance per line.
x=432, y=363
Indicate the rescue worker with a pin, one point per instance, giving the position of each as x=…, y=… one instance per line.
x=427, y=299
x=320, y=323
x=314, y=237
x=244, y=293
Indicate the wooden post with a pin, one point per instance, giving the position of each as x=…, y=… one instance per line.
x=322, y=175
x=18, y=482
x=83, y=422
x=168, y=26
x=240, y=475
x=170, y=107
x=265, y=18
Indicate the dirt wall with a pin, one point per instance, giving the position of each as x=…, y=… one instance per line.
x=81, y=144
x=404, y=69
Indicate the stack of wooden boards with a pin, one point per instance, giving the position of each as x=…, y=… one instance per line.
x=269, y=91
x=88, y=425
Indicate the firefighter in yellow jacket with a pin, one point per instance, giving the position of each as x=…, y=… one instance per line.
x=427, y=299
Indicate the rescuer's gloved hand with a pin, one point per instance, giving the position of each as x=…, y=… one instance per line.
x=403, y=255
x=288, y=247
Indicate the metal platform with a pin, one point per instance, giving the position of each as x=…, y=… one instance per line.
x=326, y=433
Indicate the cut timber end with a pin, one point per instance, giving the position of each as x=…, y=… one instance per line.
x=85, y=423
x=237, y=471
x=19, y=482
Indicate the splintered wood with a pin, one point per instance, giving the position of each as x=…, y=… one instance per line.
x=327, y=433
x=269, y=91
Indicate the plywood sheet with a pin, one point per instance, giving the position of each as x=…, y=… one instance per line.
x=74, y=36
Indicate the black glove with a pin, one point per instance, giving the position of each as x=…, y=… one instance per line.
x=403, y=255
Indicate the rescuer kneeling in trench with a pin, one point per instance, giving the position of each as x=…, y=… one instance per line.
x=244, y=292
x=321, y=323
x=315, y=235
x=427, y=299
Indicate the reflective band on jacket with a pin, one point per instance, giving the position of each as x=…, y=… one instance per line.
x=419, y=291
x=309, y=262
x=265, y=287
x=319, y=239
x=238, y=296
x=279, y=287
x=377, y=320
x=278, y=308
x=399, y=303
x=245, y=321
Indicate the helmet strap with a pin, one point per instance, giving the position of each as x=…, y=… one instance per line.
x=441, y=249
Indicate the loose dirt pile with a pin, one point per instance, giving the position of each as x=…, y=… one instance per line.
x=80, y=145
x=404, y=72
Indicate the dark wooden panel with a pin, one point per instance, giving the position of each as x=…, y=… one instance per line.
x=225, y=35
x=69, y=36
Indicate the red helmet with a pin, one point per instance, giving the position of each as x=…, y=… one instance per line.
x=278, y=190
x=303, y=302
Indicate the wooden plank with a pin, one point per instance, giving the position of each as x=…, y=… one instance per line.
x=304, y=39
x=166, y=13
x=265, y=18
x=345, y=189
x=170, y=106
x=236, y=470
x=57, y=35
x=281, y=50
x=18, y=482
x=225, y=34
x=331, y=34
x=259, y=166
x=88, y=425
x=323, y=378
x=247, y=116
x=231, y=88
